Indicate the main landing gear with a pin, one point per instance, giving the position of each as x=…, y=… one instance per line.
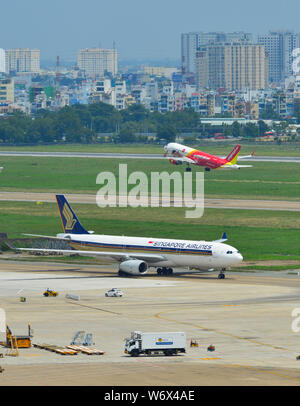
x=222, y=274
x=164, y=271
x=188, y=168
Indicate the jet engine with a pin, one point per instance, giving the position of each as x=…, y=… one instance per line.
x=133, y=267
x=175, y=162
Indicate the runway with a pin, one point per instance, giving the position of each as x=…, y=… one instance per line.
x=247, y=204
x=128, y=156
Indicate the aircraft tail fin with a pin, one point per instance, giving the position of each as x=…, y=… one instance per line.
x=233, y=156
x=70, y=222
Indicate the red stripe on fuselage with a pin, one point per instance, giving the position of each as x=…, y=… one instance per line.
x=207, y=160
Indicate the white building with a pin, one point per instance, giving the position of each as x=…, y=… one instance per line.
x=120, y=94
x=2, y=60
x=97, y=62
x=22, y=60
x=151, y=90
x=279, y=46
x=102, y=92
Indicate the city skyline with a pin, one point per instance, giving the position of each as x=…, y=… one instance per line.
x=139, y=30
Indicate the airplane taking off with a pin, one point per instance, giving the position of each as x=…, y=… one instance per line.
x=137, y=254
x=181, y=153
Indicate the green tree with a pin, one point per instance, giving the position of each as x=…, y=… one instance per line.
x=166, y=132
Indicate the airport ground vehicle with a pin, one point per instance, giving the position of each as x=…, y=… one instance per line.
x=50, y=292
x=114, y=292
x=168, y=343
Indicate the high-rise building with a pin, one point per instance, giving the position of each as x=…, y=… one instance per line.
x=2, y=60
x=192, y=41
x=232, y=66
x=96, y=62
x=279, y=45
x=22, y=60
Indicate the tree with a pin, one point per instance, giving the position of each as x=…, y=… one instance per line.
x=166, y=132
x=236, y=129
x=262, y=127
x=250, y=130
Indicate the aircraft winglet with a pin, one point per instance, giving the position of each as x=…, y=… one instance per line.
x=224, y=238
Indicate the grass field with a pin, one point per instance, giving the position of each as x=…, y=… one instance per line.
x=265, y=180
x=259, y=235
x=220, y=147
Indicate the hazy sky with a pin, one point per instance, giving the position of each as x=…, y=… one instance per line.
x=140, y=28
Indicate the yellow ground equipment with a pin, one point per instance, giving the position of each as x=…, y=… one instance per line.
x=194, y=343
x=49, y=292
x=15, y=342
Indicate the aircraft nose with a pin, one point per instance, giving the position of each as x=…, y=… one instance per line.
x=239, y=257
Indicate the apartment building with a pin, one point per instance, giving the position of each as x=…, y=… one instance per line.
x=2, y=61
x=97, y=62
x=233, y=66
x=22, y=60
x=279, y=46
x=192, y=41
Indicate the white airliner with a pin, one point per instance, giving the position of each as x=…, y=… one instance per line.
x=182, y=154
x=137, y=254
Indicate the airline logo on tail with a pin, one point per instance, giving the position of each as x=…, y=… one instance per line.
x=70, y=221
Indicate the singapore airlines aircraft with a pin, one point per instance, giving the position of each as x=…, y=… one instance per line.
x=137, y=254
x=181, y=153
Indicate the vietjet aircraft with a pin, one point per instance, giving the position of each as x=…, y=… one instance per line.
x=181, y=153
x=137, y=254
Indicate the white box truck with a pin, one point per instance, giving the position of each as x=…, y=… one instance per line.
x=168, y=343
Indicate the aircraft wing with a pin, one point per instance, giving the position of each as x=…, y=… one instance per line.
x=117, y=256
x=48, y=236
x=246, y=156
x=243, y=156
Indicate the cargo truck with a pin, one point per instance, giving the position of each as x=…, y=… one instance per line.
x=167, y=343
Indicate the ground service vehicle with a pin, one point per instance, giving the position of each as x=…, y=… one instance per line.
x=168, y=343
x=114, y=292
x=49, y=292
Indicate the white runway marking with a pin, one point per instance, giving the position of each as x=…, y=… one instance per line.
x=12, y=283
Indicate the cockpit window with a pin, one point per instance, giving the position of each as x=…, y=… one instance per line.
x=229, y=252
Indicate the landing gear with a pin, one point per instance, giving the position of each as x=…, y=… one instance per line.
x=207, y=169
x=164, y=271
x=222, y=274
x=188, y=169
